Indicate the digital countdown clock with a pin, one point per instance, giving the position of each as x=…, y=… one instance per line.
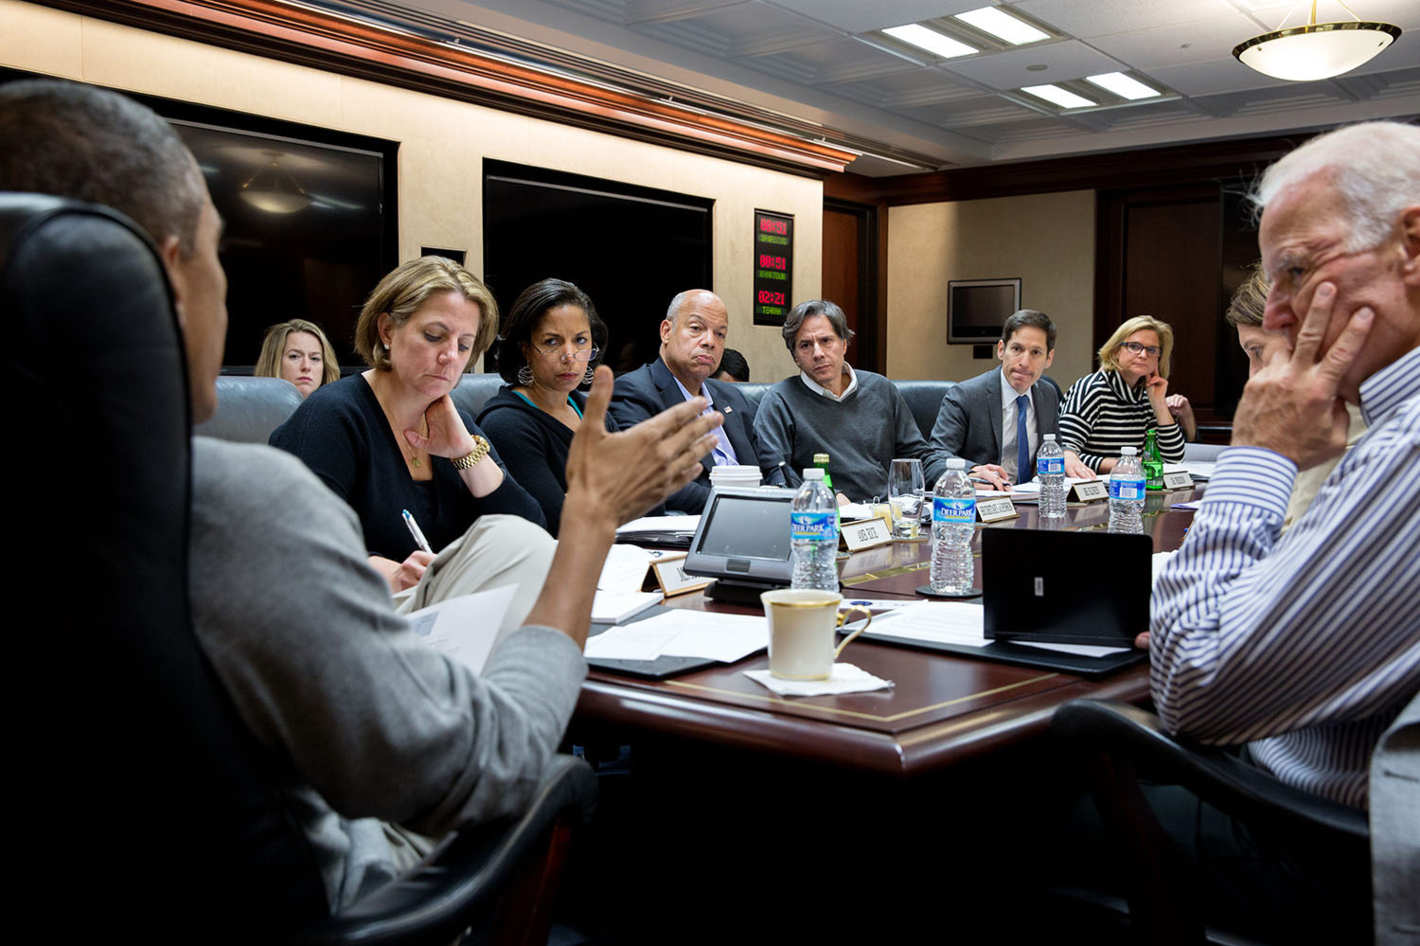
x=773, y=267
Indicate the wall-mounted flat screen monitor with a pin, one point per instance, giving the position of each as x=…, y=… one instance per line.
x=308, y=231
x=977, y=308
x=309, y=219
x=629, y=248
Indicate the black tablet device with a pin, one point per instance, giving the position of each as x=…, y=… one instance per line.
x=743, y=538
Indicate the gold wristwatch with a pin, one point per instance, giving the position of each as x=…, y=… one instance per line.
x=470, y=460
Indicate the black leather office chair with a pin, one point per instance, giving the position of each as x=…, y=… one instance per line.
x=139, y=804
x=1122, y=743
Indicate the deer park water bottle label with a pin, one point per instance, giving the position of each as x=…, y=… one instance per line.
x=811, y=526
x=1126, y=487
x=954, y=510
x=1048, y=466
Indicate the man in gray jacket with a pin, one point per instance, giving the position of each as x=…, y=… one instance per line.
x=373, y=728
x=996, y=420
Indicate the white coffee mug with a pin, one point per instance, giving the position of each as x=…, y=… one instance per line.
x=801, y=626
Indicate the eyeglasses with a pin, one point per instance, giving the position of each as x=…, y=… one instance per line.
x=585, y=352
x=1153, y=351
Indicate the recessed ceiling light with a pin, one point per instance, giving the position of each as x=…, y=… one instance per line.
x=1123, y=86
x=1002, y=25
x=1058, y=96
x=939, y=44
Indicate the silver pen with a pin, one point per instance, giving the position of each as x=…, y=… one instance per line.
x=415, y=531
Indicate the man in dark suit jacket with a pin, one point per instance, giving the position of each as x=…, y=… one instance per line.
x=981, y=420
x=692, y=341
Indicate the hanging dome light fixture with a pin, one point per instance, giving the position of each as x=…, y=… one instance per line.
x=1317, y=50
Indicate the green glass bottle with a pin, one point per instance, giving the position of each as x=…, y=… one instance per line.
x=1153, y=463
x=821, y=461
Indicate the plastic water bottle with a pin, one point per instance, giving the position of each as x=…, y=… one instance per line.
x=1126, y=493
x=953, y=522
x=813, y=534
x=1050, y=470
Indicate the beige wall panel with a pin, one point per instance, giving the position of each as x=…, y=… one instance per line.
x=1046, y=239
x=41, y=40
x=442, y=144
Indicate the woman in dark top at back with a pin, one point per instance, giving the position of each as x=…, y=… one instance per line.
x=390, y=438
x=551, y=340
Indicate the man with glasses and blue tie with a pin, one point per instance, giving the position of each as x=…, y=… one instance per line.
x=692, y=341
x=995, y=421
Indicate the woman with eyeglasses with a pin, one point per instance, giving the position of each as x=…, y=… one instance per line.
x=550, y=344
x=391, y=440
x=1117, y=405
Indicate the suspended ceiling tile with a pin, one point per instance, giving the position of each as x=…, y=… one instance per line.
x=1035, y=129
x=983, y=110
x=1087, y=19
x=857, y=16
x=913, y=87
x=1200, y=41
x=1214, y=77
x=1069, y=59
x=1402, y=13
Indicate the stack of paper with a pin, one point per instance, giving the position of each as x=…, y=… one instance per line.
x=613, y=607
x=683, y=633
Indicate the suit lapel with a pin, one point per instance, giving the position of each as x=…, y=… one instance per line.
x=993, y=410
x=1047, y=408
x=671, y=396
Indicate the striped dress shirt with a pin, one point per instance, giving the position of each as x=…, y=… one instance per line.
x=1101, y=414
x=1308, y=645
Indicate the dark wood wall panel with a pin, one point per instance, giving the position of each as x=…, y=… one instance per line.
x=1169, y=244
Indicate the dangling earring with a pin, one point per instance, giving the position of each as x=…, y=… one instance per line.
x=590, y=375
x=525, y=375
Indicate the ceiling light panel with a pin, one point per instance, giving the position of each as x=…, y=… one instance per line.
x=1123, y=86
x=1003, y=26
x=938, y=44
x=1055, y=95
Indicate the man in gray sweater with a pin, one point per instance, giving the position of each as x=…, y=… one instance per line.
x=857, y=417
x=374, y=729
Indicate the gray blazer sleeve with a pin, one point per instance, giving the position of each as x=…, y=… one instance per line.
x=949, y=433
x=303, y=635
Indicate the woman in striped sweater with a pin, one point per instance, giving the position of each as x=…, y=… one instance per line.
x=1128, y=396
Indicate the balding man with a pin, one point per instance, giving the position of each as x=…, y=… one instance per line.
x=692, y=341
x=1304, y=646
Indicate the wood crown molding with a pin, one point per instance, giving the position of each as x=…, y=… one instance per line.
x=293, y=33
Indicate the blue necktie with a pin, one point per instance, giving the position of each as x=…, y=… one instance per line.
x=1024, y=474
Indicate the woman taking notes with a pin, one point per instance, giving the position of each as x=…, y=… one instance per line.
x=297, y=351
x=1126, y=397
x=551, y=340
x=390, y=439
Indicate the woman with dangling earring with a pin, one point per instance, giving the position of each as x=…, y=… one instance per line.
x=549, y=347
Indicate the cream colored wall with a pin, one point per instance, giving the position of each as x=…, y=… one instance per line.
x=1046, y=239
x=442, y=143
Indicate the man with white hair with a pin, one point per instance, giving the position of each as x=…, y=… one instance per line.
x=1305, y=646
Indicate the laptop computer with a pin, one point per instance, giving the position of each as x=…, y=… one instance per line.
x=1066, y=587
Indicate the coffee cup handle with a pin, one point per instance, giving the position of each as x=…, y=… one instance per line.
x=849, y=639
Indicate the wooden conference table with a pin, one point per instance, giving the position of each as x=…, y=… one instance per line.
x=942, y=710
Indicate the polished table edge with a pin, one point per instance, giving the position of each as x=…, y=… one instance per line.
x=611, y=704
